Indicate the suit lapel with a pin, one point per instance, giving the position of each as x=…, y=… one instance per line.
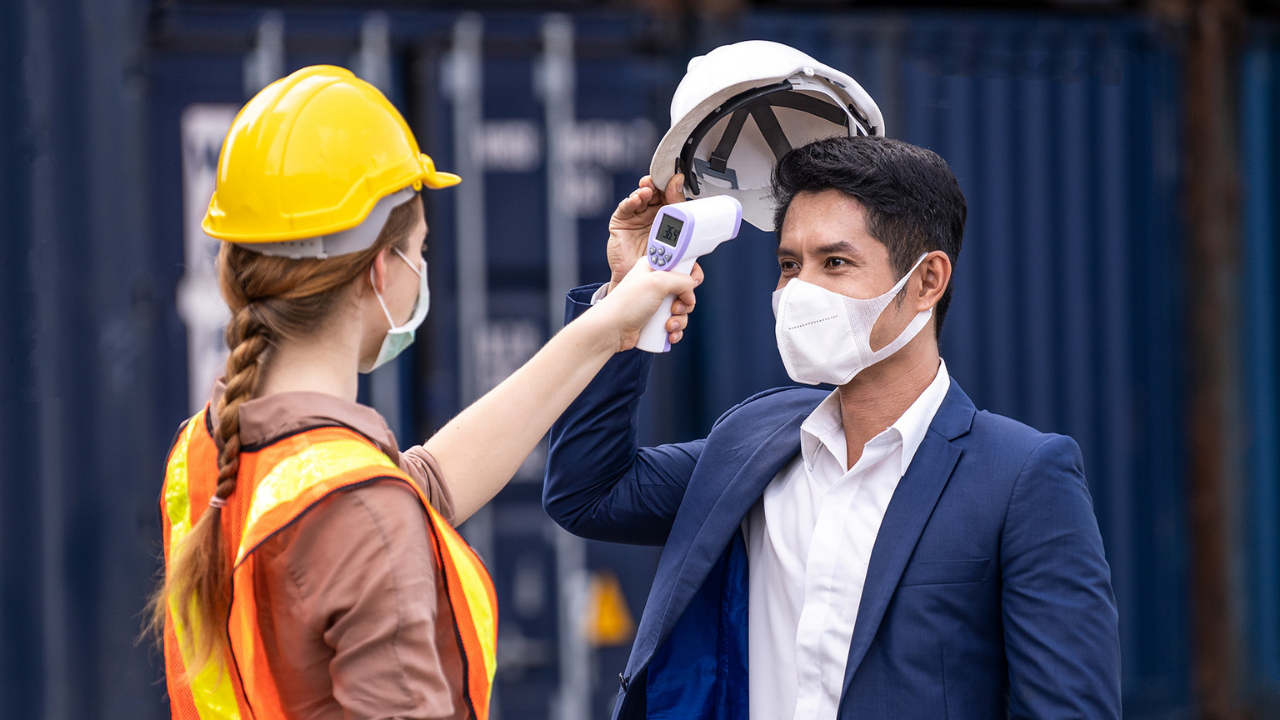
x=905, y=519
x=716, y=527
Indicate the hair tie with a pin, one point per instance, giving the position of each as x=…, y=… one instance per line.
x=217, y=502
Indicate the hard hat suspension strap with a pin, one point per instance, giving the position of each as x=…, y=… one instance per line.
x=770, y=128
x=720, y=156
x=759, y=104
x=811, y=105
x=686, y=162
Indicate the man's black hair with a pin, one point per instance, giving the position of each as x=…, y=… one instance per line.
x=912, y=200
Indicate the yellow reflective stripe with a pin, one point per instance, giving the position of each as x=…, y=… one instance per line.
x=214, y=697
x=211, y=689
x=308, y=467
x=177, y=500
x=477, y=598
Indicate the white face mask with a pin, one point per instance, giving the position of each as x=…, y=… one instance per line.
x=399, y=338
x=825, y=337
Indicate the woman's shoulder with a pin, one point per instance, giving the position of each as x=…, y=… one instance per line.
x=354, y=539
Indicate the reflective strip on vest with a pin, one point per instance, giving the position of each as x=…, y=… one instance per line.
x=469, y=587
x=297, y=476
x=276, y=485
x=210, y=692
x=478, y=592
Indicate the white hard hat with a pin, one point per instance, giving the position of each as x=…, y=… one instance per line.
x=789, y=98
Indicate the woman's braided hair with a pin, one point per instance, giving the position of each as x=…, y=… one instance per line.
x=270, y=298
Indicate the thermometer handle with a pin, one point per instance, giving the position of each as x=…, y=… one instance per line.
x=653, y=337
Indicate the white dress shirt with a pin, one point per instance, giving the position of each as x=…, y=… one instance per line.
x=809, y=539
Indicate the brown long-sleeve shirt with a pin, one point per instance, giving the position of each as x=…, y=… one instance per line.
x=352, y=619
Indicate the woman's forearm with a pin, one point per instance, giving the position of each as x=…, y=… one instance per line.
x=481, y=448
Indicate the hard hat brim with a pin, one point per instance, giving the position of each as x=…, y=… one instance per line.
x=440, y=180
x=429, y=178
x=433, y=178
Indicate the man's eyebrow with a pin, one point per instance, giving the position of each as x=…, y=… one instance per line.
x=843, y=246
x=840, y=247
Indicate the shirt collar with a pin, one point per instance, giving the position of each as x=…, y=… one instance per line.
x=914, y=423
x=264, y=419
x=824, y=428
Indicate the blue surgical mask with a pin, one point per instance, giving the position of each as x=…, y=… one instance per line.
x=399, y=338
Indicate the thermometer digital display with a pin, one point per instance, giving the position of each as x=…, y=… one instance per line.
x=669, y=230
x=681, y=234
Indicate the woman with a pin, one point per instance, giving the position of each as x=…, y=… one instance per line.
x=311, y=569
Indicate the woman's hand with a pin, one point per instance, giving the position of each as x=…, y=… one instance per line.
x=627, y=308
x=630, y=223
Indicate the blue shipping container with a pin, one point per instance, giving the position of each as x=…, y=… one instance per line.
x=1260, y=387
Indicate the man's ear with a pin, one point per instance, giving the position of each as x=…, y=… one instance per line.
x=935, y=276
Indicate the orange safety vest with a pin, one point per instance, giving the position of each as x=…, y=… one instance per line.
x=277, y=484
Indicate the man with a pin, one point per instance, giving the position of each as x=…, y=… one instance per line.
x=881, y=551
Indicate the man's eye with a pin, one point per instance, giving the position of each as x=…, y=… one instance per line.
x=837, y=262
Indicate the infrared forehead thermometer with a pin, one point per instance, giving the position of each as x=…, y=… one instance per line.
x=681, y=234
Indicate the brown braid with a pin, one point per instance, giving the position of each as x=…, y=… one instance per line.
x=250, y=335
x=271, y=298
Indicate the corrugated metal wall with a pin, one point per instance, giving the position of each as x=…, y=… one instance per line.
x=79, y=442
x=1260, y=158
x=618, y=91
x=1063, y=134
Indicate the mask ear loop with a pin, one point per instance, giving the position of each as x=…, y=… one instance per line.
x=901, y=285
x=914, y=327
x=383, y=303
x=908, y=333
x=416, y=270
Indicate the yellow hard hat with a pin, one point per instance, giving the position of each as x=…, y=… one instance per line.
x=311, y=155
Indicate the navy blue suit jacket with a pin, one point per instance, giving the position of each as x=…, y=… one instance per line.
x=987, y=594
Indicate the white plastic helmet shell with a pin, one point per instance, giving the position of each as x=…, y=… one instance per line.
x=720, y=76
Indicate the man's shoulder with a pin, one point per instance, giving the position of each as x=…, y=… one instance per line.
x=987, y=423
x=1013, y=440
x=772, y=406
